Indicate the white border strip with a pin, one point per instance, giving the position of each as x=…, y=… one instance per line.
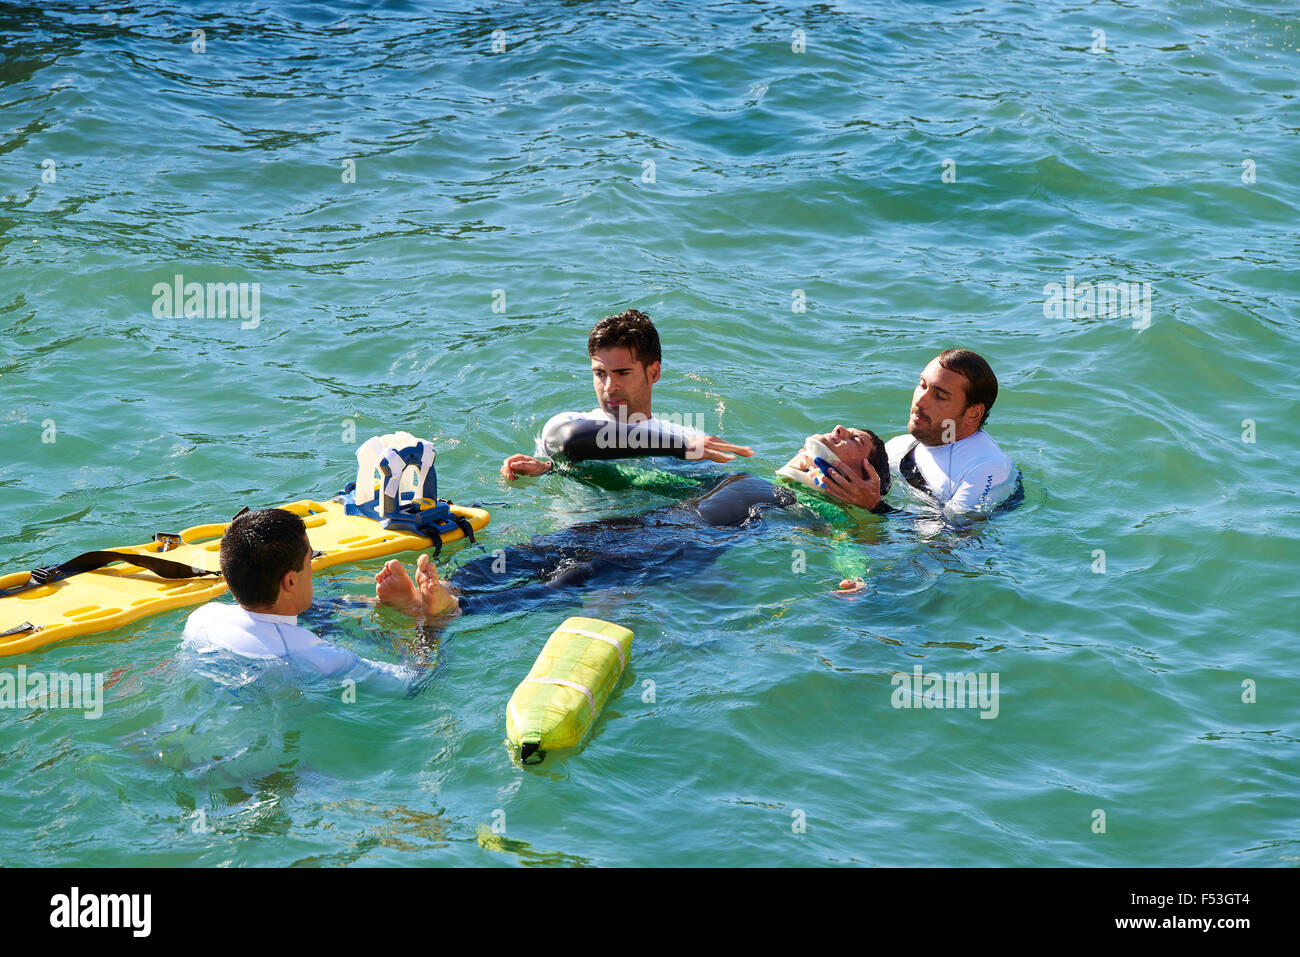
x=618, y=645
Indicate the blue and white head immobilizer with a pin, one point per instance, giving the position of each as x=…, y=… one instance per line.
x=398, y=487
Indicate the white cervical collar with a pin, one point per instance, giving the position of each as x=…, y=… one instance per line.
x=814, y=448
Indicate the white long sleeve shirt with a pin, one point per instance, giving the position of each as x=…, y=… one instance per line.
x=970, y=476
x=219, y=626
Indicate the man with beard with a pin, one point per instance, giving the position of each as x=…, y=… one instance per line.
x=946, y=459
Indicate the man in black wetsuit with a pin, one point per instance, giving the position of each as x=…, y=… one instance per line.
x=663, y=543
x=625, y=365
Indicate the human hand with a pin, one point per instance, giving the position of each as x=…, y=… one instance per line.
x=520, y=464
x=715, y=449
x=850, y=588
x=846, y=485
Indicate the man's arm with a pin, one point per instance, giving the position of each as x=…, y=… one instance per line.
x=335, y=661
x=580, y=440
x=573, y=440
x=847, y=555
x=515, y=466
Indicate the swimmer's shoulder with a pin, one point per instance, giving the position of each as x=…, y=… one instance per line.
x=560, y=418
x=229, y=626
x=204, y=619
x=977, y=451
x=985, y=455
x=220, y=624
x=897, y=447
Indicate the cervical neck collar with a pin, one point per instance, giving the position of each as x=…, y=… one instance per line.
x=813, y=448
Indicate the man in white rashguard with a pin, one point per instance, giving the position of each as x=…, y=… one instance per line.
x=625, y=365
x=946, y=457
x=266, y=561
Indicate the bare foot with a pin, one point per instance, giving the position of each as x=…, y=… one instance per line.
x=438, y=598
x=394, y=587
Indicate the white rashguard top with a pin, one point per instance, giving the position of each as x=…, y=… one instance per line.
x=219, y=626
x=970, y=476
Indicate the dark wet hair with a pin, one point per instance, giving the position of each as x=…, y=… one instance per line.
x=981, y=383
x=631, y=330
x=879, y=461
x=256, y=552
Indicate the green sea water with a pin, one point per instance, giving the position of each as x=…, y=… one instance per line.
x=810, y=201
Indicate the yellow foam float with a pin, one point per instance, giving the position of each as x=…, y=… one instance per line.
x=578, y=668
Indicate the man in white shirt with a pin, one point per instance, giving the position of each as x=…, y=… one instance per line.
x=946, y=458
x=266, y=562
x=625, y=365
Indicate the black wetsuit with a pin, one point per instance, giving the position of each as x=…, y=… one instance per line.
x=664, y=543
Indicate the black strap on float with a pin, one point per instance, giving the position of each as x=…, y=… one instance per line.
x=19, y=629
x=461, y=522
x=430, y=529
x=90, y=561
x=464, y=525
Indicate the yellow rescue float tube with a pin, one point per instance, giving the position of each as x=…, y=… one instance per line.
x=570, y=681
